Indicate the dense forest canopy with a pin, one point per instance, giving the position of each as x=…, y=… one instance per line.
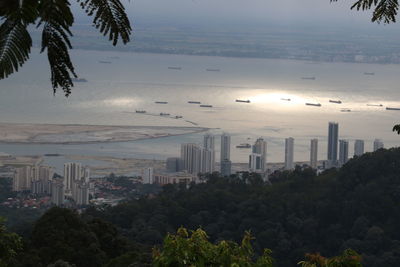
x=300, y=212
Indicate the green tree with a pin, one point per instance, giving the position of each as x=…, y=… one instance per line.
x=10, y=244
x=55, y=18
x=194, y=249
x=349, y=258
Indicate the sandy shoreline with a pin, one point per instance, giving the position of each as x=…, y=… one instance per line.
x=24, y=133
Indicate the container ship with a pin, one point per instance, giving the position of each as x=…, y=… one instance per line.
x=313, y=104
x=243, y=146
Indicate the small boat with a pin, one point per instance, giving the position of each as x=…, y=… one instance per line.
x=374, y=105
x=141, y=111
x=286, y=99
x=174, y=68
x=388, y=108
x=213, y=70
x=345, y=110
x=308, y=78
x=313, y=104
x=161, y=102
x=194, y=102
x=369, y=73
x=104, y=62
x=79, y=80
x=206, y=106
x=164, y=114
x=335, y=101
x=243, y=146
x=242, y=101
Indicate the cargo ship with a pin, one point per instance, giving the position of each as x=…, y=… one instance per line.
x=242, y=101
x=335, y=101
x=174, y=68
x=308, y=78
x=194, y=102
x=140, y=111
x=213, y=70
x=206, y=106
x=178, y=117
x=243, y=146
x=164, y=114
x=104, y=62
x=286, y=99
x=388, y=108
x=313, y=104
x=374, y=105
x=161, y=102
x=369, y=73
x=345, y=110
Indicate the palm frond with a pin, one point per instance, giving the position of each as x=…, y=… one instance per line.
x=396, y=128
x=109, y=17
x=15, y=46
x=384, y=10
x=57, y=19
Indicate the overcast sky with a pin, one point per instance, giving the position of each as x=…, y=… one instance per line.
x=195, y=12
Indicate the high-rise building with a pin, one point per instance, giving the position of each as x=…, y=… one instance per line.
x=207, y=161
x=174, y=164
x=57, y=192
x=257, y=160
x=209, y=142
x=225, y=147
x=191, y=157
x=226, y=167
x=378, y=144
x=343, y=152
x=208, y=154
x=148, y=176
x=255, y=163
x=333, y=137
x=314, y=153
x=289, y=148
x=358, y=147
x=80, y=192
x=72, y=172
x=22, y=179
x=225, y=159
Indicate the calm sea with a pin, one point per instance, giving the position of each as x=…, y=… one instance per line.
x=135, y=81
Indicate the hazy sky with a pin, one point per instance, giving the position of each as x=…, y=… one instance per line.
x=248, y=12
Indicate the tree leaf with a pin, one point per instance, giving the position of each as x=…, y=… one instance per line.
x=109, y=17
x=15, y=46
